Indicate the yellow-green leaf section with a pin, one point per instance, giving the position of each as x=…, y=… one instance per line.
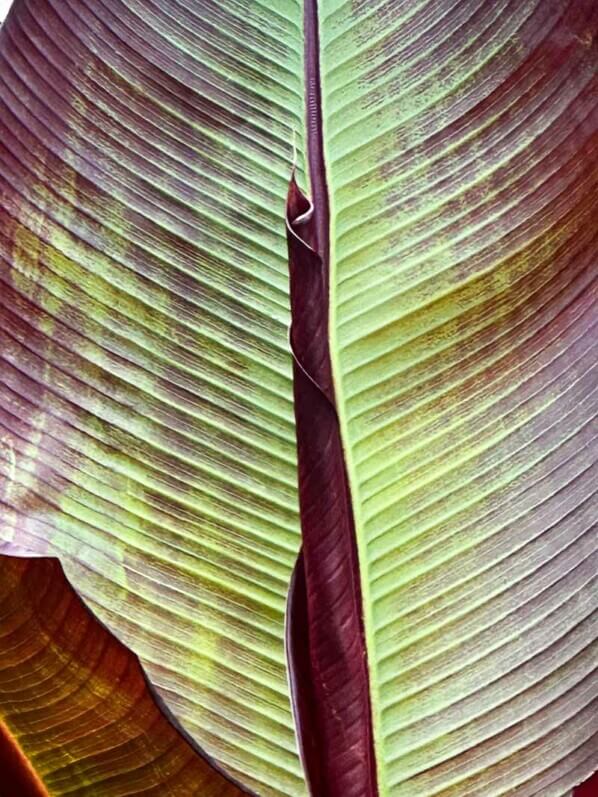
x=461, y=152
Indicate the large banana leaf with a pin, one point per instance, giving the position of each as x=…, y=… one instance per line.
x=461, y=167
x=441, y=625
x=146, y=401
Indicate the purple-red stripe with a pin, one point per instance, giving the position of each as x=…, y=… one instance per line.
x=325, y=643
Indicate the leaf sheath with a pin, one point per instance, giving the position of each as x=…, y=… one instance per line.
x=326, y=645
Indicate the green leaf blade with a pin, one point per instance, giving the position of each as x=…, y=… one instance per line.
x=147, y=431
x=461, y=168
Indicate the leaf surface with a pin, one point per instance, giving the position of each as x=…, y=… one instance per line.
x=77, y=707
x=146, y=407
x=460, y=148
x=148, y=437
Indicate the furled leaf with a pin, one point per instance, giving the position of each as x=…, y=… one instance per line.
x=461, y=169
x=328, y=668
x=78, y=715
x=146, y=409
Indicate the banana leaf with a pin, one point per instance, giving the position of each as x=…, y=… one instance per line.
x=389, y=365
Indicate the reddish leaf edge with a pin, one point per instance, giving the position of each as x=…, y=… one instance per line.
x=16, y=769
x=13, y=760
x=325, y=641
x=589, y=787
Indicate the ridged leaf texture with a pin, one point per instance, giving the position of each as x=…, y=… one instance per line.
x=444, y=401
x=78, y=716
x=147, y=422
x=461, y=150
